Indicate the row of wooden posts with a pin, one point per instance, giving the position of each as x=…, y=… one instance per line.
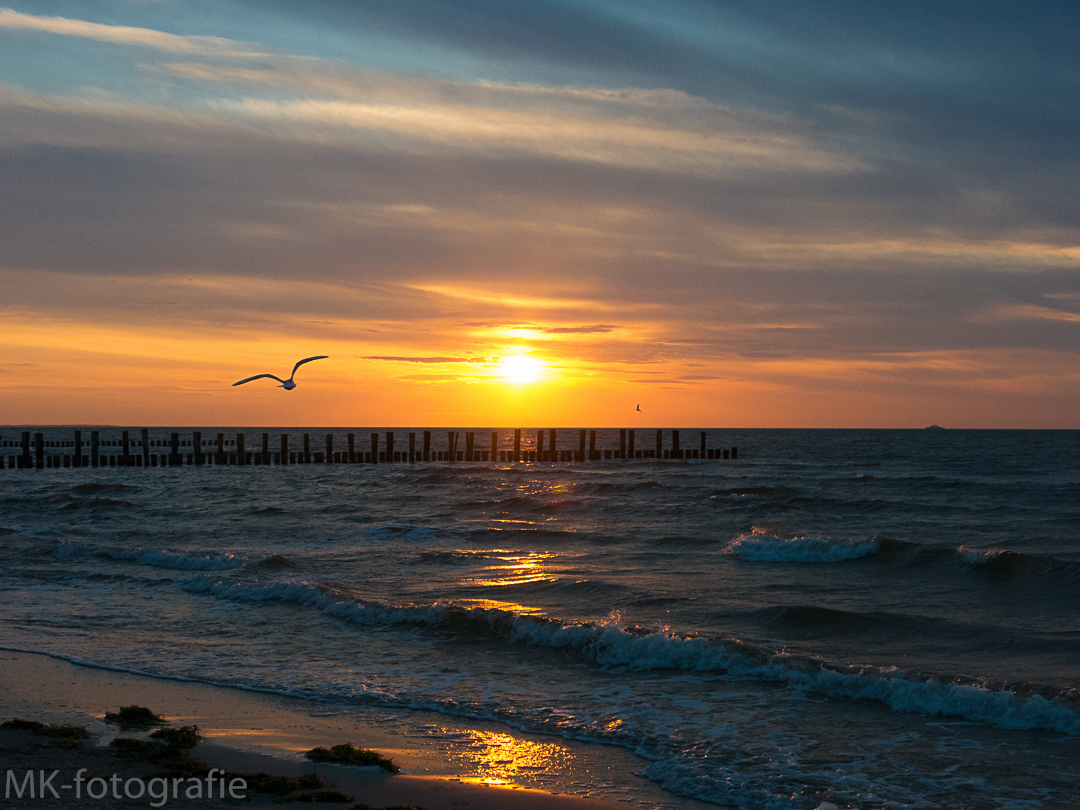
x=36, y=455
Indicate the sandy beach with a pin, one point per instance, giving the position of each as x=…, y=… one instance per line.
x=253, y=732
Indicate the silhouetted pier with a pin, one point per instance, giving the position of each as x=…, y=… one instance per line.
x=122, y=448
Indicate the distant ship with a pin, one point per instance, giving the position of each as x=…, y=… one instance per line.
x=935, y=426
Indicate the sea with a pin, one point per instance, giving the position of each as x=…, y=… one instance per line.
x=836, y=618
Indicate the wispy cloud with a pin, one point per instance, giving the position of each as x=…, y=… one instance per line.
x=1025, y=312
x=125, y=35
x=433, y=360
x=580, y=136
x=598, y=329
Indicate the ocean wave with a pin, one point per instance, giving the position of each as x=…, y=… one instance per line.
x=772, y=493
x=1003, y=564
x=979, y=556
x=995, y=564
x=454, y=557
x=394, y=531
x=100, y=489
x=324, y=598
x=502, y=534
x=610, y=643
x=95, y=503
x=275, y=562
x=818, y=621
x=769, y=548
x=556, y=506
x=65, y=549
x=609, y=487
x=513, y=503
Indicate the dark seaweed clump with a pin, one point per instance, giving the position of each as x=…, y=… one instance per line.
x=345, y=754
x=183, y=737
x=172, y=758
x=167, y=751
x=135, y=716
x=64, y=736
x=166, y=746
x=319, y=796
x=279, y=785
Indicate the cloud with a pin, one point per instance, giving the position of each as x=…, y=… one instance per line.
x=735, y=225
x=568, y=136
x=438, y=360
x=125, y=35
x=1026, y=312
x=579, y=330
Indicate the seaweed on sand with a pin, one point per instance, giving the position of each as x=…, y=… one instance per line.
x=167, y=751
x=319, y=796
x=135, y=716
x=64, y=736
x=165, y=748
x=279, y=785
x=346, y=754
x=183, y=737
x=172, y=758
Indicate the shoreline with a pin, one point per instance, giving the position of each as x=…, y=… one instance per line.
x=448, y=763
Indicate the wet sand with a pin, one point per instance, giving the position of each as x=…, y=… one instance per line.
x=255, y=732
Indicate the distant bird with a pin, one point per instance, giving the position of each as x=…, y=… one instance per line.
x=639, y=409
x=288, y=384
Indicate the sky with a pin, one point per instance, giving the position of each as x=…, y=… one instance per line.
x=775, y=213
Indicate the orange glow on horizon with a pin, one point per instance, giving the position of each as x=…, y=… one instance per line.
x=62, y=367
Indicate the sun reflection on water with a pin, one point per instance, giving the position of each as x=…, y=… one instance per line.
x=493, y=758
x=497, y=604
x=517, y=568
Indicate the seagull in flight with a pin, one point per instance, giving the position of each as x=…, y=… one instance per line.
x=638, y=407
x=288, y=384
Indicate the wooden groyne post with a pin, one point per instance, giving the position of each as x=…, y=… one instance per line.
x=118, y=452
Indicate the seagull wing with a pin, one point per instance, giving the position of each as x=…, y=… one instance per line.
x=259, y=377
x=306, y=360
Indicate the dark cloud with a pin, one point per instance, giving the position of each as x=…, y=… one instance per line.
x=978, y=72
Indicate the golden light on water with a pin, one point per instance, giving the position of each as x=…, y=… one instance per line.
x=517, y=569
x=500, y=759
x=520, y=368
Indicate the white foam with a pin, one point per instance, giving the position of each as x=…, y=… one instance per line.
x=768, y=548
x=976, y=556
x=609, y=643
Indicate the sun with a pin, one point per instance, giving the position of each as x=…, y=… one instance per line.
x=520, y=368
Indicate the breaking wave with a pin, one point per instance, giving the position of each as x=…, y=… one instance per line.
x=610, y=643
x=769, y=548
x=67, y=550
